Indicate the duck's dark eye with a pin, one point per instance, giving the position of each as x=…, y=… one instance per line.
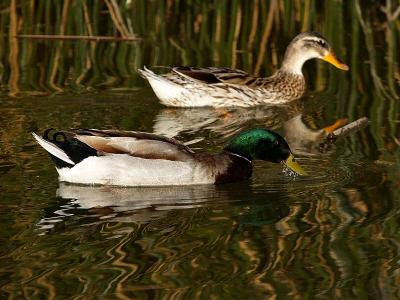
x=276, y=143
x=322, y=43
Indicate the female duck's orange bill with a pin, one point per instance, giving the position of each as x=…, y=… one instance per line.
x=332, y=59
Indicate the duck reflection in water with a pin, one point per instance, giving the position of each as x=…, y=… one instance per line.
x=99, y=204
x=295, y=120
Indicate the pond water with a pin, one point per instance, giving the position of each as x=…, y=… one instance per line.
x=333, y=234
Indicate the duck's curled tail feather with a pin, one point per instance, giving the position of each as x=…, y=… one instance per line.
x=65, y=151
x=53, y=149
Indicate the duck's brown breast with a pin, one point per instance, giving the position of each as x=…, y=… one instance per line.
x=225, y=167
x=287, y=85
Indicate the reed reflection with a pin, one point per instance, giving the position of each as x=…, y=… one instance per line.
x=196, y=240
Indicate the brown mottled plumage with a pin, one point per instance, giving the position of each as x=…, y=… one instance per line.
x=219, y=87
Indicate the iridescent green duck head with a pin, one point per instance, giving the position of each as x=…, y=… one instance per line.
x=264, y=144
x=306, y=46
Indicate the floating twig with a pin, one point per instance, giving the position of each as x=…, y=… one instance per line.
x=342, y=132
x=349, y=128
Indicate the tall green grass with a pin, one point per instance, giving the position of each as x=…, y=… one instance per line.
x=251, y=35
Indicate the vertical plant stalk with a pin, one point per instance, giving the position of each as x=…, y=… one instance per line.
x=218, y=22
x=306, y=16
x=56, y=61
x=393, y=61
x=238, y=24
x=14, y=50
x=265, y=36
x=253, y=30
x=392, y=46
x=92, y=44
x=371, y=50
x=117, y=19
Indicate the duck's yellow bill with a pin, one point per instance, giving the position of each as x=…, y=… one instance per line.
x=332, y=59
x=294, y=166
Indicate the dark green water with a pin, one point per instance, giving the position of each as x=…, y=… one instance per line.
x=332, y=235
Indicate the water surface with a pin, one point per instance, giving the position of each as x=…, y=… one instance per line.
x=329, y=233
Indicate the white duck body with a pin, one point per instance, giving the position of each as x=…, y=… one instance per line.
x=126, y=170
x=129, y=158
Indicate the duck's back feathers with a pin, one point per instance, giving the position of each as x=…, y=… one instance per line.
x=212, y=75
x=138, y=144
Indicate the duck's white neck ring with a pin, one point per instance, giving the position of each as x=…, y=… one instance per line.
x=238, y=156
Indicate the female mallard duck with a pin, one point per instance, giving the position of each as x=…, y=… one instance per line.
x=219, y=87
x=131, y=158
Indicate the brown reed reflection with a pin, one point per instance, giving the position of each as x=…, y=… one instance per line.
x=194, y=251
x=14, y=50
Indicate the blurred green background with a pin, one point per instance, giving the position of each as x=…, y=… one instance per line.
x=251, y=35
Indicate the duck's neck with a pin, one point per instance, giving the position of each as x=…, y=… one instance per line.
x=293, y=61
x=238, y=168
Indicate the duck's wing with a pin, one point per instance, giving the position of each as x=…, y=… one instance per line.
x=68, y=148
x=135, y=143
x=213, y=75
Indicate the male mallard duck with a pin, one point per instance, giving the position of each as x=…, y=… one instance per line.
x=218, y=87
x=131, y=158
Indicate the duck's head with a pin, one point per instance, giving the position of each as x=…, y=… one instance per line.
x=266, y=145
x=306, y=46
